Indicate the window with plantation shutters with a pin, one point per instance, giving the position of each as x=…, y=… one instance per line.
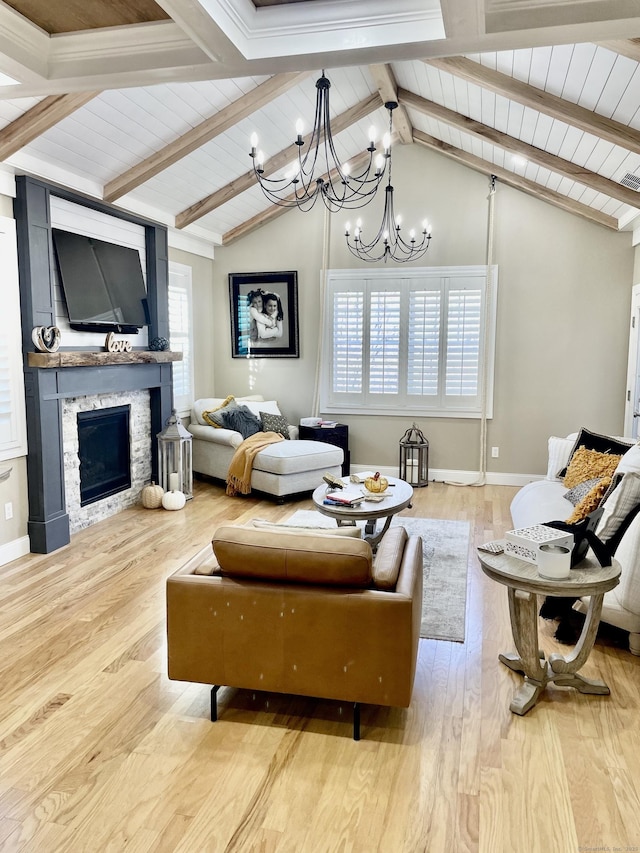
x=181, y=335
x=410, y=342
x=13, y=441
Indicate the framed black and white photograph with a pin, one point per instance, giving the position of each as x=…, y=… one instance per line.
x=264, y=314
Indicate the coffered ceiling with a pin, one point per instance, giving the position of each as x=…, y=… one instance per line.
x=150, y=105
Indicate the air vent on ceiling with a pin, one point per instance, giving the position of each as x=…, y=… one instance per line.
x=632, y=181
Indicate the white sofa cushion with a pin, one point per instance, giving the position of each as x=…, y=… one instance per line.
x=292, y=457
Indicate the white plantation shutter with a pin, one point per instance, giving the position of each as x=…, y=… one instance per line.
x=464, y=316
x=407, y=342
x=423, y=353
x=384, y=342
x=5, y=394
x=13, y=442
x=348, y=341
x=181, y=335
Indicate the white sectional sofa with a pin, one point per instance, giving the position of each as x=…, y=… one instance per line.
x=544, y=500
x=282, y=469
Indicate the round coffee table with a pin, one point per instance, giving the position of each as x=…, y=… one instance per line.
x=397, y=497
x=524, y=585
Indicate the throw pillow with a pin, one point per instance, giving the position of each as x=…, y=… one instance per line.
x=269, y=406
x=241, y=420
x=559, y=452
x=630, y=461
x=579, y=492
x=590, y=501
x=213, y=417
x=274, y=423
x=600, y=443
x=618, y=505
x=586, y=464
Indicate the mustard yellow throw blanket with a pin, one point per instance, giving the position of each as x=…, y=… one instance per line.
x=239, y=473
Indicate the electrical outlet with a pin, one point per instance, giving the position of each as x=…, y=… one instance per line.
x=8, y=510
x=495, y=452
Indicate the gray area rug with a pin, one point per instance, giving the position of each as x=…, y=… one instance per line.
x=445, y=548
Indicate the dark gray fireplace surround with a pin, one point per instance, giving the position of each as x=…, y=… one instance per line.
x=46, y=388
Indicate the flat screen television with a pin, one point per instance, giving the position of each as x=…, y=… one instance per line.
x=102, y=283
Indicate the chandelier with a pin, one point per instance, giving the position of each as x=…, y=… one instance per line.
x=388, y=242
x=318, y=172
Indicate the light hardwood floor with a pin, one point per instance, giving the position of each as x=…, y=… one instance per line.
x=99, y=751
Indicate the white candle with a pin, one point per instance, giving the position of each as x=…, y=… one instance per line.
x=412, y=471
x=174, y=482
x=554, y=562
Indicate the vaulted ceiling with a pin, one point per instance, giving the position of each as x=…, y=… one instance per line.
x=150, y=105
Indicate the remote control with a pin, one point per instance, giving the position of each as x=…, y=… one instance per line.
x=492, y=547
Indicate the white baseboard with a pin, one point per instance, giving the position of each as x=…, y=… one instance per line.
x=14, y=550
x=463, y=478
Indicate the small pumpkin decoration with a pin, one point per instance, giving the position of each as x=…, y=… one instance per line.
x=151, y=496
x=173, y=500
x=377, y=483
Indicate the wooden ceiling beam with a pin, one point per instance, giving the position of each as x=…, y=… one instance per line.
x=40, y=118
x=515, y=181
x=537, y=99
x=534, y=155
x=275, y=210
x=273, y=164
x=198, y=136
x=385, y=80
x=625, y=47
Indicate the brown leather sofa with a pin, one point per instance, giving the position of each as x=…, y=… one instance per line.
x=313, y=615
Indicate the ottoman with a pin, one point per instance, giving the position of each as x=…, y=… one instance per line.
x=289, y=467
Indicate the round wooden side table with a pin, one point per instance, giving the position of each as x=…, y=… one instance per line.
x=524, y=585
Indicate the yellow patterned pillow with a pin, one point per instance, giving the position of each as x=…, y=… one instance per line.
x=590, y=501
x=587, y=464
x=213, y=417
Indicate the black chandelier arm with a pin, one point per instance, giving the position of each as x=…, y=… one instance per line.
x=339, y=189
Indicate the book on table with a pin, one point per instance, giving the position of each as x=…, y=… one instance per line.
x=341, y=499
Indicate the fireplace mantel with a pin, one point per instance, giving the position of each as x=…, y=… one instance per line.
x=81, y=358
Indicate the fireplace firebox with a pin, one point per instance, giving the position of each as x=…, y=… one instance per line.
x=105, y=453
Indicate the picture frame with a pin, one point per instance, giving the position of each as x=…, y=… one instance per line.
x=264, y=314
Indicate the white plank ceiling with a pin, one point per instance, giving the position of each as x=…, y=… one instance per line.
x=153, y=89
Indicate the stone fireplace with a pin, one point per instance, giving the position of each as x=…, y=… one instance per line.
x=103, y=448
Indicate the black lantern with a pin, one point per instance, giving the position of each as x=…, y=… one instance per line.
x=414, y=458
x=174, y=457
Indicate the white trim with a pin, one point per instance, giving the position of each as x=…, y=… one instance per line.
x=7, y=182
x=14, y=444
x=14, y=550
x=191, y=243
x=464, y=478
x=322, y=27
x=161, y=44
